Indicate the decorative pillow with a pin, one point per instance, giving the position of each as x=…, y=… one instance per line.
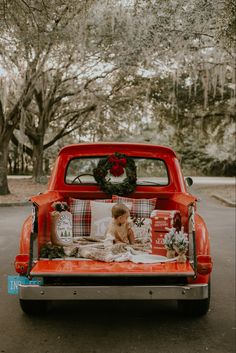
x=142, y=228
x=141, y=208
x=101, y=217
x=81, y=216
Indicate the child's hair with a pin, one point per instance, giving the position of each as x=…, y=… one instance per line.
x=118, y=210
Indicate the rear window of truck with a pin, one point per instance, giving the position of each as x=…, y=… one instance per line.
x=150, y=171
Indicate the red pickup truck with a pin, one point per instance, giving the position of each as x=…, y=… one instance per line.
x=88, y=179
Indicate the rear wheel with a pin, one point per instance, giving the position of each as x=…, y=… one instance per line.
x=34, y=307
x=195, y=307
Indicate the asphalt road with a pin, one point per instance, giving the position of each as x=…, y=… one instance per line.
x=96, y=327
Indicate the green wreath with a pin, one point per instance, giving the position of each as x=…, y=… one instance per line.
x=116, y=164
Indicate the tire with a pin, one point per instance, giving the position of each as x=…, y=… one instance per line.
x=195, y=307
x=34, y=307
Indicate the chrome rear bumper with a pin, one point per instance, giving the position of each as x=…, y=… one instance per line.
x=187, y=292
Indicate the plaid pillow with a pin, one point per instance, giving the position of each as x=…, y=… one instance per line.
x=81, y=216
x=140, y=207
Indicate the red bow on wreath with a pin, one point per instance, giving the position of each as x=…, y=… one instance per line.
x=118, y=165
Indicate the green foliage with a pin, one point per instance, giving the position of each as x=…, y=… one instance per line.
x=60, y=206
x=115, y=70
x=204, y=164
x=50, y=251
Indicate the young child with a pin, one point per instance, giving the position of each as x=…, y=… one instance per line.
x=120, y=226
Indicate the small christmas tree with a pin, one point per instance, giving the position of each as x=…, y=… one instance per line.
x=181, y=245
x=175, y=241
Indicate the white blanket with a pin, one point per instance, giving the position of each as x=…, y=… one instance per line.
x=104, y=250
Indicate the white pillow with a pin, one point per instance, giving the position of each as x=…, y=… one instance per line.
x=101, y=217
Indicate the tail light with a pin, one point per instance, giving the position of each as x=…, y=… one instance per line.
x=21, y=264
x=204, y=264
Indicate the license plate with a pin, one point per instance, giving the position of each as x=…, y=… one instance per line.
x=14, y=281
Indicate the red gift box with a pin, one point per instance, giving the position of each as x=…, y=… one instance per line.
x=158, y=243
x=161, y=220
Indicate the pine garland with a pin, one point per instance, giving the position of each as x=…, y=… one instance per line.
x=50, y=251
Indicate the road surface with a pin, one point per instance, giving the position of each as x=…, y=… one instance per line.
x=114, y=327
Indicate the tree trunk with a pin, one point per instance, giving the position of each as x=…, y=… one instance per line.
x=46, y=166
x=38, y=175
x=4, y=190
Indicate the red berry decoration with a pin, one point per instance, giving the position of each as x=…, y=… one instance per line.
x=116, y=164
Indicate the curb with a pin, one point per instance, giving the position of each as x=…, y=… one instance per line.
x=224, y=201
x=20, y=203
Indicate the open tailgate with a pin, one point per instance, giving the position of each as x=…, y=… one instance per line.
x=59, y=267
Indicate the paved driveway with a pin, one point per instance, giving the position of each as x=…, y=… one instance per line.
x=123, y=327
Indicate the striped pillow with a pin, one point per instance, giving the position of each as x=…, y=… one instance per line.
x=81, y=216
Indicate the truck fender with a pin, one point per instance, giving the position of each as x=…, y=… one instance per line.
x=25, y=236
x=202, y=236
x=202, y=248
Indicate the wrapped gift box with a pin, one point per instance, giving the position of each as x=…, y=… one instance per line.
x=158, y=243
x=162, y=220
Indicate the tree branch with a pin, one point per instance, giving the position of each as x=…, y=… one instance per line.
x=63, y=131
